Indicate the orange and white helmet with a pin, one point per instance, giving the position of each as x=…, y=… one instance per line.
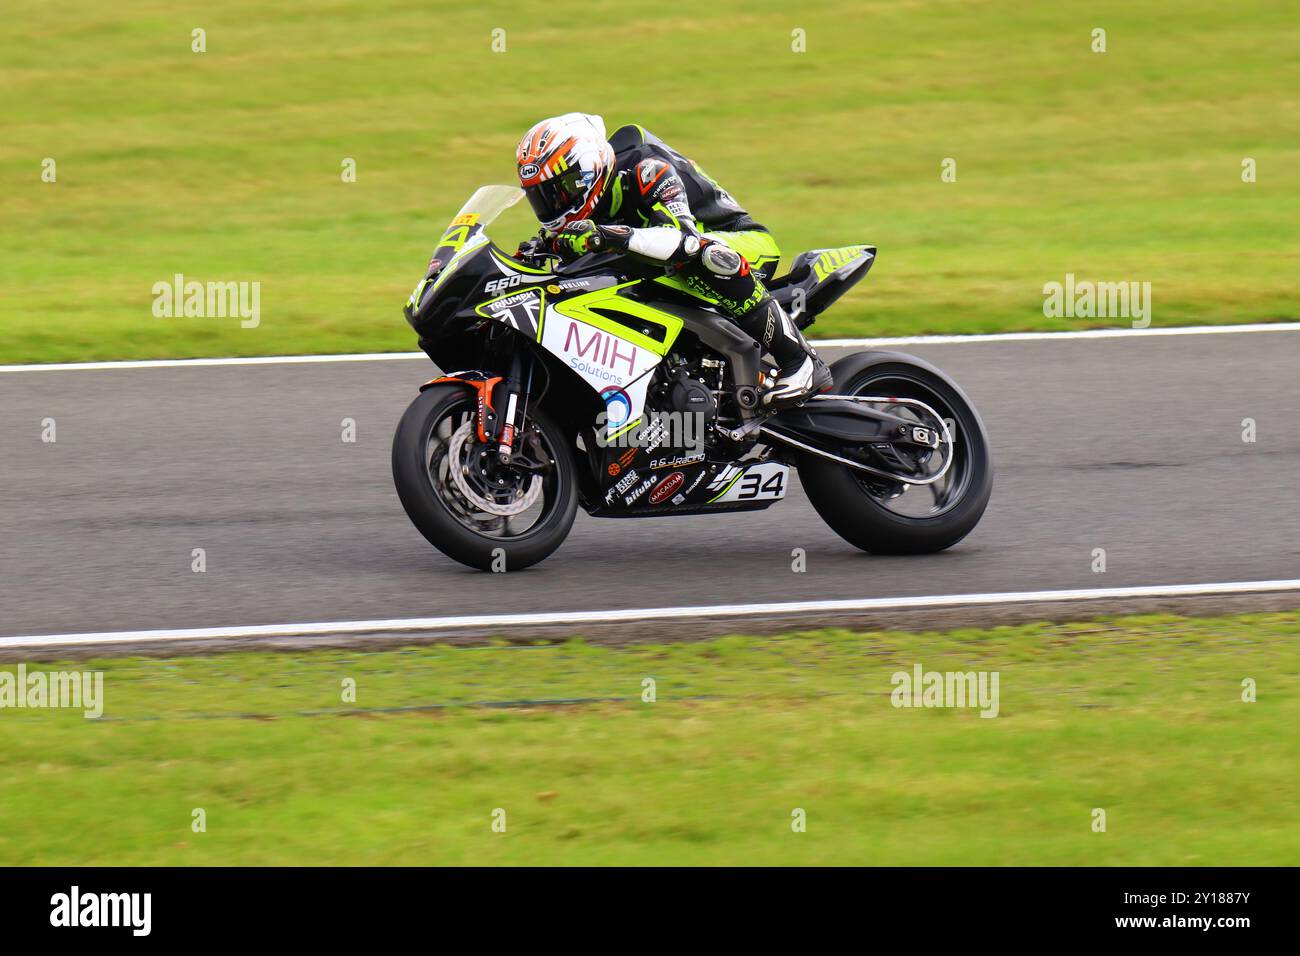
x=565, y=163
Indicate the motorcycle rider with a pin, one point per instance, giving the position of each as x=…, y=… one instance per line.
x=633, y=193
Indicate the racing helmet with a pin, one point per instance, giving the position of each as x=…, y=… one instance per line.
x=565, y=163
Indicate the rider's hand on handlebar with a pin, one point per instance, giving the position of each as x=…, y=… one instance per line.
x=577, y=238
x=585, y=236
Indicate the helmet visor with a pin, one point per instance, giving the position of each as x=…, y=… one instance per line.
x=553, y=197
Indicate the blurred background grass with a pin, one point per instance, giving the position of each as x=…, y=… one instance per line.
x=226, y=165
x=1139, y=716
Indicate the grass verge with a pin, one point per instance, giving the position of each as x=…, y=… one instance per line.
x=1142, y=717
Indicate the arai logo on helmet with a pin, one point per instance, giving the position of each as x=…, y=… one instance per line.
x=528, y=171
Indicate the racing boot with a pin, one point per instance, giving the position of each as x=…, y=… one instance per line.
x=801, y=373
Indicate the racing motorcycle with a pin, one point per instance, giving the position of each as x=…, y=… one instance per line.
x=604, y=383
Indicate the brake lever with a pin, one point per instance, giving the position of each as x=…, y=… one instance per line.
x=589, y=260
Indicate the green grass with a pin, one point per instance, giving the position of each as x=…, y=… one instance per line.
x=1141, y=717
x=226, y=165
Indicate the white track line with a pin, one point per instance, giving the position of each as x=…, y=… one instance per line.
x=820, y=343
x=1062, y=336
x=240, y=360
x=492, y=623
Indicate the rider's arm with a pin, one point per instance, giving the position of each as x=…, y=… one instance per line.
x=670, y=234
x=658, y=199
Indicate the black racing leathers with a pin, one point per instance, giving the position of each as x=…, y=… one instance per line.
x=660, y=204
x=707, y=203
x=668, y=203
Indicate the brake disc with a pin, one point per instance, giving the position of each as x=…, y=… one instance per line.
x=459, y=448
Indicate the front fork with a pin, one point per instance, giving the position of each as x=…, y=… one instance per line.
x=502, y=403
x=511, y=394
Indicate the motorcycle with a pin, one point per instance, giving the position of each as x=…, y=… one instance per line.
x=605, y=383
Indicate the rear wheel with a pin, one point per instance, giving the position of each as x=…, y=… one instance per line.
x=884, y=516
x=467, y=505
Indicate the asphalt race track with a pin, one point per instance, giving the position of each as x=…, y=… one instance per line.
x=1129, y=444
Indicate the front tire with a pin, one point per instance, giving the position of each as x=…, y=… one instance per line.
x=470, y=521
x=862, y=510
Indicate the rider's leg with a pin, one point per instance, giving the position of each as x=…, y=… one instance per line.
x=759, y=248
x=720, y=272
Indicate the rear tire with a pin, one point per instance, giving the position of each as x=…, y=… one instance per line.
x=838, y=492
x=426, y=500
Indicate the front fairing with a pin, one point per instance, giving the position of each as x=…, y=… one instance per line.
x=469, y=278
x=460, y=263
x=591, y=321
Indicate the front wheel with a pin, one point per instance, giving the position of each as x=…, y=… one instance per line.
x=489, y=516
x=892, y=517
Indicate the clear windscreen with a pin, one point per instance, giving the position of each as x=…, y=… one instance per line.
x=489, y=202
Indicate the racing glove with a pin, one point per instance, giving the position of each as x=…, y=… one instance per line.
x=584, y=236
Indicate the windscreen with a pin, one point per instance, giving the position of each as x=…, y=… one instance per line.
x=488, y=202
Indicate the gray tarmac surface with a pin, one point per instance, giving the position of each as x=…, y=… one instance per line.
x=1131, y=444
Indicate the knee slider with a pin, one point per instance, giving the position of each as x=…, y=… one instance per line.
x=720, y=259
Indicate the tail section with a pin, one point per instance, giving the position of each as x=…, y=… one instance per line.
x=818, y=278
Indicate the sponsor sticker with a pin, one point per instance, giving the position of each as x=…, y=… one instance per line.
x=638, y=492
x=618, y=406
x=704, y=473
x=599, y=355
x=527, y=295
x=653, y=435
x=679, y=461
x=667, y=488
x=622, y=485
